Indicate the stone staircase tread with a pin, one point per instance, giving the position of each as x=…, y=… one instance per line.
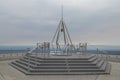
x=56, y=73
x=24, y=63
x=60, y=63
x=43, y=63
x=20, y=69
x=68, y=73
x=50, y=69
x=103, y=67
x=108, y=69
x=92, y=59
x=96, y=61
x=70, y=61
x=56, y=60
x=64, y=69
x=61, y=58
x=60, y=66
x=27, y=60
x=54, y=66
x=99, y=64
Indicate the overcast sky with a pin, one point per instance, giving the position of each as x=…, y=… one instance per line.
x=25, y=22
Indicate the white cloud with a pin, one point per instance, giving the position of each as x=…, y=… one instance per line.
x=26, y=21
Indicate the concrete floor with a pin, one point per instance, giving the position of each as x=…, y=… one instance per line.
x=9, y=73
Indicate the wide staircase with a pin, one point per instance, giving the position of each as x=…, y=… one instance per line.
x=91, y=65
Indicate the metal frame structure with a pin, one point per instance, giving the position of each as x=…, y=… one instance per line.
x=44, y=47
x=82, y=48
x=66, y=46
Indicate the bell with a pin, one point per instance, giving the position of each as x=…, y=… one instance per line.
x=61, y=30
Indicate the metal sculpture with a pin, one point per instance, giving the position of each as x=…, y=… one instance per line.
x=65, y=45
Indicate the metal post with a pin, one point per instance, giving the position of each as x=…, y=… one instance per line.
x=86, y=48
x=48, y=49
x=97, y=52
x=29, y=63
x=44, y=49
x=79, y=48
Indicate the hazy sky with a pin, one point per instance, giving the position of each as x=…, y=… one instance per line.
x=25, y=22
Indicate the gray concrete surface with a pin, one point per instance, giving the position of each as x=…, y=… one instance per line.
x=9, y=73
x=11, y=56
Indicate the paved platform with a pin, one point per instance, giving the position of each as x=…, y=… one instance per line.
x=62, y=65
x=9, y=73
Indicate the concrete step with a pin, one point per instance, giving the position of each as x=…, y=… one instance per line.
x=85, y=70
x=66, y=70
x=39, y=58
x=56, y=73
x=38, y=63
x=66, y=73
x=103, y=67
x=24, y=63
x=43, y=64
x=93, y=59
x=20, y=65
x=62, y=64
x=29, y=61
x=99, y=64
x=33, y=66
x=48, y=70
x=58, y=61
x=46, y=61
x=38, y=70
x=108, y=68
x=56, y=67
x=63, y=67
x=25, y=66
x=83, y=67
x=78, y=61
x=41, y=67
x=96, y=61
x=19, y=68
x=81, y=64
x=62, y=58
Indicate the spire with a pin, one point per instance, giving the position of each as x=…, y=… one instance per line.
x=62, y=12
x=61, y=37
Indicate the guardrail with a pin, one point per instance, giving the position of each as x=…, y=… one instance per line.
x=107, y=57
x=10, y=56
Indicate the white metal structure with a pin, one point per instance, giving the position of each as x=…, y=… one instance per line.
x=61, y=41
